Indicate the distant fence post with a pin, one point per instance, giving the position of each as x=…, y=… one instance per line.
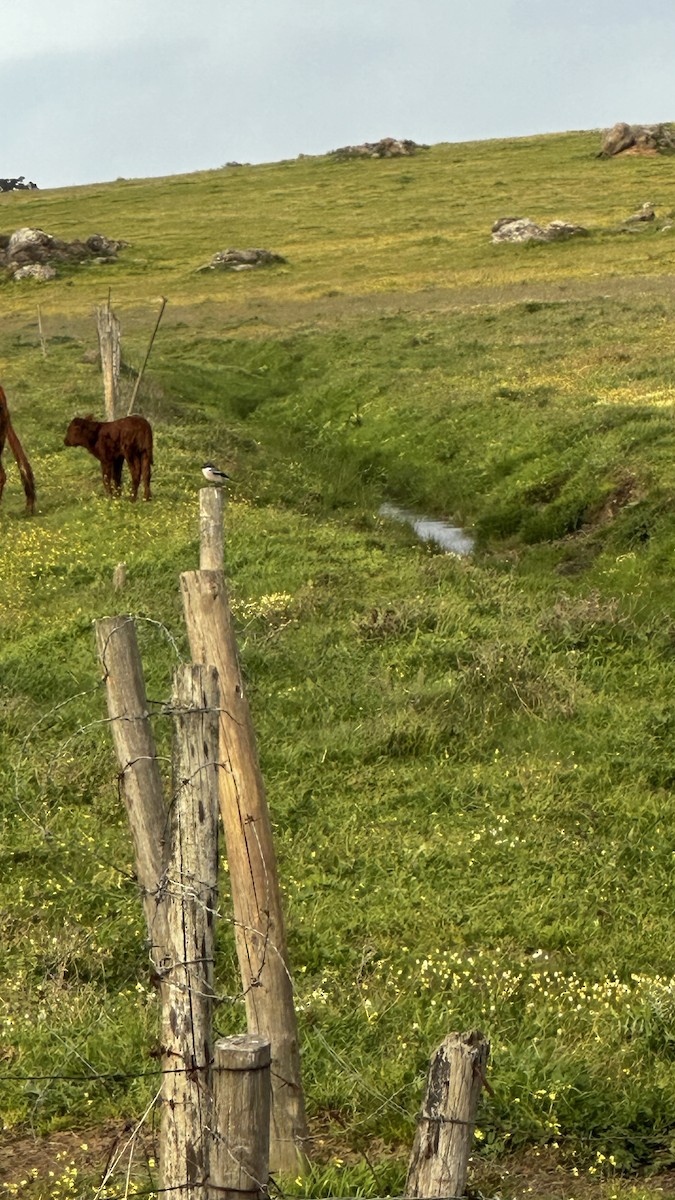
x=187, y=974
x=256, y=895
x=41, y=332
x=440, y=1154
x=109, y=345
x=211, y=538
x=240, y=1143
x=136, y=752
x=119, y=578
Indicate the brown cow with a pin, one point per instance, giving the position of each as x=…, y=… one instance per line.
x=25, y=470
x=113, y=443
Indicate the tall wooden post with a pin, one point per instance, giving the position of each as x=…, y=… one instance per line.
x=259, y=923
x=211, y=538
x=136, y=752
x=187, y=973
x=239, y=1155
x=109, y=345
x=440, y=1154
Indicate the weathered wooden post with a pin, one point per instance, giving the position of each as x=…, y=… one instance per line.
x=259, y=923
x=109, y=345
x=440, y=1154
x=136, y=752
x=241, y=1118
x=119, y=577
x=211, y=539
x=41, y=332
x=190, y=885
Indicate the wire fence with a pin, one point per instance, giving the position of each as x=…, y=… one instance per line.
x=122, y=1157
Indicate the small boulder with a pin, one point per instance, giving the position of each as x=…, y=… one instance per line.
x=522, y=229
x=242, y=260
x=29, y=241
x=40, y=271
x=646, y=213
x=103, y=246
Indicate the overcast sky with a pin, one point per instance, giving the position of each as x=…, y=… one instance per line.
x=97, y=89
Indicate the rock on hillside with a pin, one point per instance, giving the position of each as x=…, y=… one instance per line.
x=637, y=139
x=386, y=148
x=17, y=185
x=242, y=260
x=29, y=247
x=522, y=229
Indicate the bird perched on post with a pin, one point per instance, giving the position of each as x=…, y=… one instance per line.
x=213, y=474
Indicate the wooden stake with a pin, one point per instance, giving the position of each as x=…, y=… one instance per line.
x=241, y=1118
x=211, y=538
x=134, y=744
x=145, y=360
x=187, y=974
x=40, y=331
x=256, y=896
x=120, y=576
x=442, y=1145
x=109, y=346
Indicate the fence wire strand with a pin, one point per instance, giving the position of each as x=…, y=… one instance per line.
x=118, y=1153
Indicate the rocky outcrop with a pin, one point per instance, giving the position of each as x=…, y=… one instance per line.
x=637, y=139
x=522, y=229
x=386, y=148
x=17, y=185
x=242, y=260
x=29, y=247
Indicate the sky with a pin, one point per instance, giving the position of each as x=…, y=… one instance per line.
x=96, y=90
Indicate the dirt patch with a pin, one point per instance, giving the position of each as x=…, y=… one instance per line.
x=91, y=1149
x=540, y=1173
x=535, y=1173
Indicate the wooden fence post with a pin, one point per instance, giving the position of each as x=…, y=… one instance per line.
x=136, y=752
x=119, y=578
x=440, y=1154
x=187, y=973
x=241, y=1118
x=259, y=924
x=211, y=539
x=109, y=345
x=41, y=332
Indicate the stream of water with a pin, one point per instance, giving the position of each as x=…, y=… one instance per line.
x=448, y=537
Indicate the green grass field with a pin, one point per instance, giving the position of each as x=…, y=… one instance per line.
x=469, y=762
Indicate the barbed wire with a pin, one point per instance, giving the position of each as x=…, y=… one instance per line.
x=175, y=888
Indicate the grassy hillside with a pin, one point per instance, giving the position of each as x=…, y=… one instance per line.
x=469, y=762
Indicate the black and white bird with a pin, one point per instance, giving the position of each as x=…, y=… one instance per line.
x=213, y=474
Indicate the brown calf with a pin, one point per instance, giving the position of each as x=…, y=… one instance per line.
x=113, y=443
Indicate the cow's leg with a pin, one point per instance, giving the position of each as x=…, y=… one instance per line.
x=106, y=472
x=135, y=469
x=3, y=477
x=147, y=474
x=118, y=463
